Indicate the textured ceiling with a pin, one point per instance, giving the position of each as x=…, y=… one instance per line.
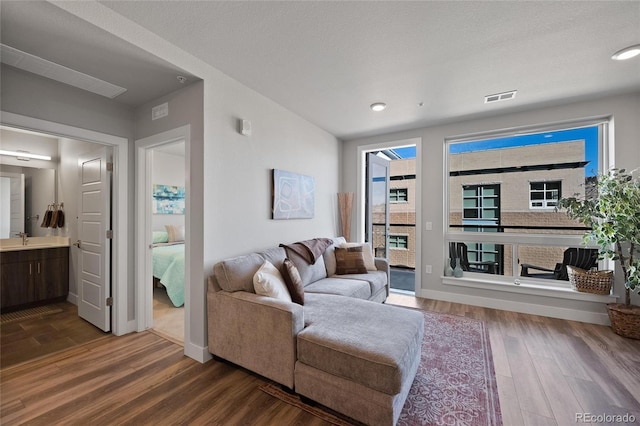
x=44, y=30
x=329, y=60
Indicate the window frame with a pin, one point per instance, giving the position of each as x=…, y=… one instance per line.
x=545, y=202
x=514, y=239
x=404, y=236
x=398, y=201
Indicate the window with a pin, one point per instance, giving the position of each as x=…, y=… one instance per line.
x=544, y=195
x=398, y=195
x=399, y=242
x=503, y=189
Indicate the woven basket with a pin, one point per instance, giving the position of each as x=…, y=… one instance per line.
x=625, y=320
x=596, y=282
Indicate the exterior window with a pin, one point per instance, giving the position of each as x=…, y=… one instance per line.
x=399, y=242
x=544, y=195
x=398, y=195
x=502, y=192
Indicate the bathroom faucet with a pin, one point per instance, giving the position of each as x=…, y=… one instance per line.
x=23, y=235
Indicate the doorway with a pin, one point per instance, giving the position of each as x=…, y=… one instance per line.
x=391, y=188
x=161, y=221
x=118, y=321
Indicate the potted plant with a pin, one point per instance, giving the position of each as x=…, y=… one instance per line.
x=613, y=213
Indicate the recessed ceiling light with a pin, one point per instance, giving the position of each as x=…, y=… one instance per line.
x=378, y=106
x=627, y=53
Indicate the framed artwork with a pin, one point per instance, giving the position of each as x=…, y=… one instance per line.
x=293, y=195
x=168, y=199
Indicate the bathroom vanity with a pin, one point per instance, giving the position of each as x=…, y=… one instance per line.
x=33, y=274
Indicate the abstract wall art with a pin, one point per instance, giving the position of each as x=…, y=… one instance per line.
x=168, y=199
x=293, y=195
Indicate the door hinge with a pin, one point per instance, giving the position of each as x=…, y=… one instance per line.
x=109, y=233
x=109, y=301
x=109, y=167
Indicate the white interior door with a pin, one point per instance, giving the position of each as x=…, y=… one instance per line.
x=378, y=204
x=94, y=220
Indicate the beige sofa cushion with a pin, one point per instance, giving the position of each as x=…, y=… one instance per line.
x=369, y=343
x=236, y=274
x=330, y=257
x=341, y=286
x=376, y=279
x=308, y=273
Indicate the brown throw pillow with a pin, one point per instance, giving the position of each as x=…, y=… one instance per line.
x=350, y=261
x=293, y=281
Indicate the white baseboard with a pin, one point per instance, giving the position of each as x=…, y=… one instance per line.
x=199, y=353
x=525, y=308
x=72, y=298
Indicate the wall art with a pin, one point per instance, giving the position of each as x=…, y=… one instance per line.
x=168, y=199
x=293, y=195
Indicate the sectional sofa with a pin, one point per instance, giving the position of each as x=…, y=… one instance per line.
x=342, y=347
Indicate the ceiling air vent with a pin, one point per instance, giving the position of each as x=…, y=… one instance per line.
x=500, y=96
x=36, y=65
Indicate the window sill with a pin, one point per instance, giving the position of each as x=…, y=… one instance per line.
x=531, y=288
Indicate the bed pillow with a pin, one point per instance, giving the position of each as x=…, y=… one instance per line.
x=293, y=281
x=176, y=233
x=367, y=254
x=160, y=237
x=350, y=261
x=268, y=281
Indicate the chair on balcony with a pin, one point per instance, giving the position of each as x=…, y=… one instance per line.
x=459, y=251
x=579, y=257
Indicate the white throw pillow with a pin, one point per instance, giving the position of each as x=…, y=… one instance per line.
x=367, y=254
x=268, y=281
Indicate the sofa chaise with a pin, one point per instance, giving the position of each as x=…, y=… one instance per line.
x=342, y=348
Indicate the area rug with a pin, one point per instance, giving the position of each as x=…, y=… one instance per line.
x=28, y=314
x=455, y=383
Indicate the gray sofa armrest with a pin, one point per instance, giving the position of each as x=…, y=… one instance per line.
x=382, y=264
x=255, y=332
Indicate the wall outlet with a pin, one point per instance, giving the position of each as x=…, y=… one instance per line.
x=428, y=226
x=428, y=269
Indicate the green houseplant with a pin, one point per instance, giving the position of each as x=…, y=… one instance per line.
x=612, y=210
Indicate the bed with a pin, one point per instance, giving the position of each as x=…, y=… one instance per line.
x=168, y=269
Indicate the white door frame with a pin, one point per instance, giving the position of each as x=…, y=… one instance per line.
x=119, y=260
x=361, y=195
x=144, y=291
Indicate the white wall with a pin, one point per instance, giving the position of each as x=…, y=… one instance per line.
x=167, y=169
x=625, y=110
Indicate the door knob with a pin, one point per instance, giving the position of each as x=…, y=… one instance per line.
x=77, y=244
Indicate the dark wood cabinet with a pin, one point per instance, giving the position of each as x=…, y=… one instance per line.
x=33, y=277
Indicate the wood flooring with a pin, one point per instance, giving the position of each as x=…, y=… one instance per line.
x=547, y=371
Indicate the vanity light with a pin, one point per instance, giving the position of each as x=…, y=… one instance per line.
x=627, y=53
x=25, y=154
x=378, y=106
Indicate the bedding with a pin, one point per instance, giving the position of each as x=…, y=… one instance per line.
x=168, y=267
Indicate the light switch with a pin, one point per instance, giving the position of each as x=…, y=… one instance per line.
x=428, y=226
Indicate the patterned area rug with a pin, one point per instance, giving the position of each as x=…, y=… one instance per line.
x=455, y=383
x=28, y=314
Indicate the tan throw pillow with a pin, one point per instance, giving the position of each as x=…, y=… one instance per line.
x=176, y=233
x=293, y=281
x=367, y=254
x=350, y=261
x=267, y=281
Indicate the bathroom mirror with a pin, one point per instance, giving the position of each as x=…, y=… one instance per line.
x=26, y=192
